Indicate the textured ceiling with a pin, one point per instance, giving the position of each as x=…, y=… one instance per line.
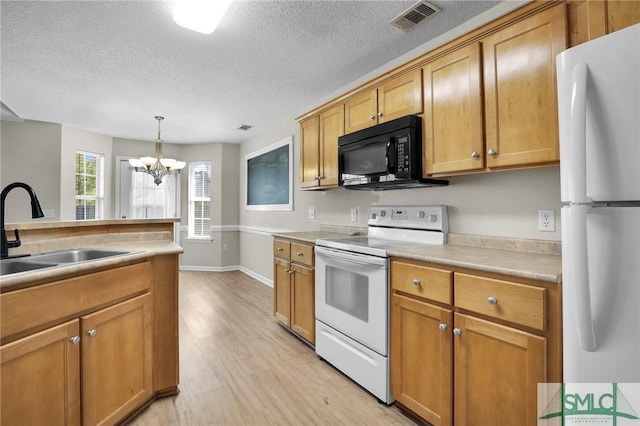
x=110, y=66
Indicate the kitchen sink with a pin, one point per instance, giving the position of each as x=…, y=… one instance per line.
x=75, y=256
x=58, y=258
x=14, y=266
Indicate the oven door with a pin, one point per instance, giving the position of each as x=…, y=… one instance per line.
x=352, y=294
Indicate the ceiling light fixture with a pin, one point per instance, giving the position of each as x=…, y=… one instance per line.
x=157, y=166
x=202, y=16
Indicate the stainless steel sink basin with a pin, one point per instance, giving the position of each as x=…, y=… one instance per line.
x=74, y=256
x=14, y=266
x=59, y=258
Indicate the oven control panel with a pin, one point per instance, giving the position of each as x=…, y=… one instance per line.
x=433, y=218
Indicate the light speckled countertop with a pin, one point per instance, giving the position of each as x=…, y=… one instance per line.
x=309, y=236
x=486, y=254
x=138, y=250
x=535, y=266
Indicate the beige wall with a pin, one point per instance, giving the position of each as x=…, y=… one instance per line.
x=502, y=204
x=30, y=153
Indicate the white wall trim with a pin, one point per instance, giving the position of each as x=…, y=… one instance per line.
x=260, y=230
x=252, y=274
x=264, y=280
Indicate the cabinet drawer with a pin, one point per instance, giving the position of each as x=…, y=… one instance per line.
x=281, y=248
x=518, y=303
x=430, y=283
x=302, y=253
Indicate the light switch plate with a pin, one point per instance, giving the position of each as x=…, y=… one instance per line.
x=311, y=215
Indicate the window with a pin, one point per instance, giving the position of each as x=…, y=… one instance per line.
x=148, y=200
x=89, y=186
x=200, y=199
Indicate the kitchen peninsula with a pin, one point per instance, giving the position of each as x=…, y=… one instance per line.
x=90, y=341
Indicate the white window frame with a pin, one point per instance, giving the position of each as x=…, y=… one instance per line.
x=99, y=197
x=196, y=198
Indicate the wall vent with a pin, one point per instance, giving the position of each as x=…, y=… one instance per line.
x=245, y=127
x=417, y=13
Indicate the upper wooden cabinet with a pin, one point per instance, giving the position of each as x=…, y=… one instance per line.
x=319, y=149
x=520, y=90
x=396, y=98
x=453, y=121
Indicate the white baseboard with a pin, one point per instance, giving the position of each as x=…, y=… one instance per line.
x=252, y=274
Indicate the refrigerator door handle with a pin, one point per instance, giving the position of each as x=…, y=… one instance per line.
x=578, y=263
x=578, y=135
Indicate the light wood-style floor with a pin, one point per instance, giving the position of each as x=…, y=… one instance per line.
x=239, y=367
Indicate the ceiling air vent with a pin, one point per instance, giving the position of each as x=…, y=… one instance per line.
x=417, y=13
x=245, y=127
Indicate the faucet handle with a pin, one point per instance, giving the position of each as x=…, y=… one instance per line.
x=15, y=243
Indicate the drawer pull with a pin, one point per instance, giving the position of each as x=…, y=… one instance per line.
x=492, y=300
x=416, y=282
x=443, y=327
x=299, y=254
x=457, y=331
x=75, y=340
x=280, y=249
x=290, y=272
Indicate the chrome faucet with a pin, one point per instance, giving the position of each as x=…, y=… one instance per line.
x=36, y=211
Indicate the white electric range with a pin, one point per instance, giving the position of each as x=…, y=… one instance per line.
x=353, y=291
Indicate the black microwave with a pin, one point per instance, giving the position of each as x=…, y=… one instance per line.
x=385, y=156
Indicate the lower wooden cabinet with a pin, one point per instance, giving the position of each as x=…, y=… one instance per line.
x=103, y=359
x=497, y=371
x=422, y=358
x=294, y=287
x=117, y=366
x=477, y=360
x=41, y=378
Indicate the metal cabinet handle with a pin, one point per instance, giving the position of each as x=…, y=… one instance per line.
x=299, y=254
x=290, y=272
x=92, y=332
x=457, y=331
x=475, y=154
x=492, y=300
x=373, y=117
x=416, y=282
x=492, y=152
x=75, y=340
x=380, y=114
x=280, y=249
x=443, y=327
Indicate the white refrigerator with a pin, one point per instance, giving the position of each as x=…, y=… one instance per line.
x=599, y=117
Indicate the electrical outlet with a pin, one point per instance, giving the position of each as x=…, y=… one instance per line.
x=546, y=220
x=311, y=214
x=354, y=214
x=225, y=247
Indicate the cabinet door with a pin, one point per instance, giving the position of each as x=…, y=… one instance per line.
x=309, y=155
x=400, y=96
x=361, y=111
x=331, y=127
x=453, y=129
x=497, y=370
x=303, y=303
x=282, y=291
x=520, y=90
x=41, y=378
x=622, y=14
x=421, y=358
x=117, y=360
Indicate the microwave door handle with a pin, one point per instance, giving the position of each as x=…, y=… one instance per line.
x=391, y=156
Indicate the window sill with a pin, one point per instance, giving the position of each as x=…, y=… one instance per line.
x=199, y=239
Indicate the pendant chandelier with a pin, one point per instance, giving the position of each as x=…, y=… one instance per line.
x=157, y=166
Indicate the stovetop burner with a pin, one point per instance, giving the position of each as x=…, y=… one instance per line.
x=392, y=227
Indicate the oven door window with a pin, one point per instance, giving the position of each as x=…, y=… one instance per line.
x=352, y=296
x=348, y=292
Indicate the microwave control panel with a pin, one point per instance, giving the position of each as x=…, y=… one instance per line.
x=403, y=151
